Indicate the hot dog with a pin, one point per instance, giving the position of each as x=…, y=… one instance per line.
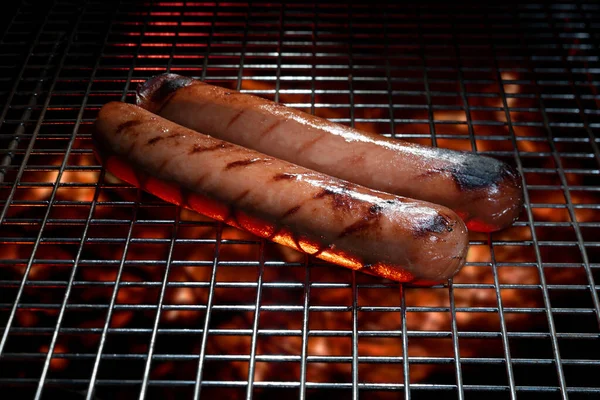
x=335, y=220
x=485, y=192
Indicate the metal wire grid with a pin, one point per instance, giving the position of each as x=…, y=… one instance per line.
x=518, y=83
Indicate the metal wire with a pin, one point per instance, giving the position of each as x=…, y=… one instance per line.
x=52, y=196
x=546, y=296
x=209, y=305
x=104, y=288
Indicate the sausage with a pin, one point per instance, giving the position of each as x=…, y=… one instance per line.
x=485, y=192
x=341, y=222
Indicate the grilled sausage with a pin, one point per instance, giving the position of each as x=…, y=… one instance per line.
x=338, y=221
x=485, y=192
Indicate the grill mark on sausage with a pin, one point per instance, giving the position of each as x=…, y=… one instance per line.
x=165, y=103
x=369, y=218
x=235, y=118
x=162, y=165
x=127, y=125
x=310, y=144
x=130, y=149
x=197, y=148
x=154, y=140
x=291, y=211
x=157, y=139
x=241, y=196
x=284, y=177
x=243, y=163
x=355, y=160
x=271, y=128
x=200, y=180
x=340, y=199
x=439, y=223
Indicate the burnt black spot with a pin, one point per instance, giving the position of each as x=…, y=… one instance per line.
x=342, y=201
x=196, y=148
x=439, y=223
x=291, y=211
x=375, y=209
x=284, y=177
x=128, y=124
x=243, y=163
x=168, y=86
x=477, y=172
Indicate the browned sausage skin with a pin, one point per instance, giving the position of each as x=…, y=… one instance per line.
x=338, y=221
x=485, y=192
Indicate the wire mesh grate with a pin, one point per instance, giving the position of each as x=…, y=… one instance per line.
x=109, y=292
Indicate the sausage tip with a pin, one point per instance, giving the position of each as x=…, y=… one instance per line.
x=477, y=172
x=497, y=186
x=157, y=90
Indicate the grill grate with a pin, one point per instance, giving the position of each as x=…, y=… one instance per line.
x=105, y=289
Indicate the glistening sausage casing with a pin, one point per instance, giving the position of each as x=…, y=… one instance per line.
x=485, y=192
x=356, y=227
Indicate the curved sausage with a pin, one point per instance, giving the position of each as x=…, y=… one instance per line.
x=485, y=192
x=338, y=221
